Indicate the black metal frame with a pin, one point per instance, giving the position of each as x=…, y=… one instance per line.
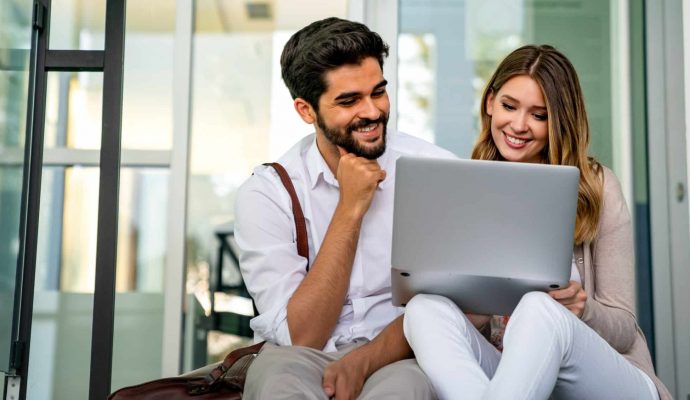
x=110, y=61
x=108, y=199
x=227, y=321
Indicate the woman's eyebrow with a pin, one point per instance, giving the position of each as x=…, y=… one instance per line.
x=513, y=99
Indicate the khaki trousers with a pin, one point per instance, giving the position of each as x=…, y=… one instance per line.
x=294, y=372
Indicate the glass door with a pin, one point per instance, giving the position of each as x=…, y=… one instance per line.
x=15, y=45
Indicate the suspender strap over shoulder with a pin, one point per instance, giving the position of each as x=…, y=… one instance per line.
x=300, y=223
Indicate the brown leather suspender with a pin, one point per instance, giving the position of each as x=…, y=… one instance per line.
x=300, y=223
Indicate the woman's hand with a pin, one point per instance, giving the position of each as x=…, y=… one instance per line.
x=573, y=297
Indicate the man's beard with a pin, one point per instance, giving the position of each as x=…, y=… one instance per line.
x=345, y=139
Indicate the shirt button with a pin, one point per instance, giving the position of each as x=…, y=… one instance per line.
x=580, y=260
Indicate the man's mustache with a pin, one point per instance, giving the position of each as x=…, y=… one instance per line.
x=366, y=121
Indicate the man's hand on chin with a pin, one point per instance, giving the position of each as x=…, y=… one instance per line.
x=344, y=379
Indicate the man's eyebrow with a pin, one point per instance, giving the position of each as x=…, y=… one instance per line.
x=347, y=95
x=513, y=99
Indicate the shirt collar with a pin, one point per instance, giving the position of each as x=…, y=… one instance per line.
x=317, y=167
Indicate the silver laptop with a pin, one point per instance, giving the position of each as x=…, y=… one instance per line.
x=482, y=233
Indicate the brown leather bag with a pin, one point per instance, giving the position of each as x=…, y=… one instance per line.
x=226, y=381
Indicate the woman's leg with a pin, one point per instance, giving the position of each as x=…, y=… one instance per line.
x=548, y=350
x=458, y=360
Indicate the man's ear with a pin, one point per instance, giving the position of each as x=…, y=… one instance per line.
x=490, y=103
x=305, y=110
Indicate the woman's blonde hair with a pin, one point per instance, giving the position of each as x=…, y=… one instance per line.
x=567, y=125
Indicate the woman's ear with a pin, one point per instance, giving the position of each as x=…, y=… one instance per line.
x=305, y=110
x=490, y=103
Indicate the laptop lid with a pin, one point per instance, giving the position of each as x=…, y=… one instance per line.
x=482, y=233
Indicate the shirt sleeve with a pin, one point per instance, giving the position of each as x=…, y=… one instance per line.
x=270, y=265
x=610, y=310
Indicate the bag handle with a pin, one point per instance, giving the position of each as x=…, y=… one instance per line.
x=219, y=372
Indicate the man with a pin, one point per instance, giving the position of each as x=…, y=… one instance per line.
x=336, y=331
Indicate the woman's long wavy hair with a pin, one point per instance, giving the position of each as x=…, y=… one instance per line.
x=567, y=125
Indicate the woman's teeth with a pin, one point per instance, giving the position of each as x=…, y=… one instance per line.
x=515, y=140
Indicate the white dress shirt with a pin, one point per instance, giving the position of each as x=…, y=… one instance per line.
x=265, y=233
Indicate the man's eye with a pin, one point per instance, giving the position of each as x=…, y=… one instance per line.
x=379, y=93
x=348, y=102
x=508, y=107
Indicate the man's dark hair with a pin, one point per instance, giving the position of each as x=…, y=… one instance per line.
x=323, y=46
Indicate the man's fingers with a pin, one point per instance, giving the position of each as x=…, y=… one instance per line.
x=342, y=151
x=329, y=382
x=342, y=388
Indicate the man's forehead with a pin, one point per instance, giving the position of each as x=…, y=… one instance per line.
x=354, y=77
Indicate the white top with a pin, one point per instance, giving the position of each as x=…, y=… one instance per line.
x=575, y=273
x=265, y=233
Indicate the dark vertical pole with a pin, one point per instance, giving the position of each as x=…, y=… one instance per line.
x=106, y=248
x=641, y=210
x=31, y=192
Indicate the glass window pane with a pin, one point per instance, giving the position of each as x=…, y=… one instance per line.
x=74, y=110
x=77, y=25
x=74, y=100
x=147, y=116
x=63, y=300
x=68, y=229
x=455, y=47
x=15, y=42
x=242, y=115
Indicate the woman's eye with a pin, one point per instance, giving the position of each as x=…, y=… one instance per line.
x=540, y=117
x=508, y=107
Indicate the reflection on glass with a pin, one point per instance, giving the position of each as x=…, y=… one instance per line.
x=147, y=116
x=77, y=25
x=63, y=299
x=68, y=228
x=470, y=37
x=137, y=357
x=60, y=354
x=73, y=112
x=15, y=42
x=416, y=86
x=242, y=116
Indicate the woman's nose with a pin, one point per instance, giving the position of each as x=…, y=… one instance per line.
x=519, y=123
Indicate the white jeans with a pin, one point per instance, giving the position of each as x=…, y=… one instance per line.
x=547, y=351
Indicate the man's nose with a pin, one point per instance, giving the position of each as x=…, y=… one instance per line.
x=368, y=109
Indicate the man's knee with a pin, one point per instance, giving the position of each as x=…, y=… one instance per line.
x=285, y=373
x=400, y=380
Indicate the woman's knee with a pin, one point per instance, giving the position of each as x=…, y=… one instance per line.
x=424, y=305
x=538, y=305
x=427, y=311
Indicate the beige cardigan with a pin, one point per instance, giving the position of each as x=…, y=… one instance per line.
x=606, y=266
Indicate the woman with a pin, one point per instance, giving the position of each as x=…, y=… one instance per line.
x=578, y=342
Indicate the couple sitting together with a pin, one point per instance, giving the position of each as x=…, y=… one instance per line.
x=331, y=328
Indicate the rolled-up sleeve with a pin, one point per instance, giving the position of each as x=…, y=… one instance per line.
x=270, y=265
